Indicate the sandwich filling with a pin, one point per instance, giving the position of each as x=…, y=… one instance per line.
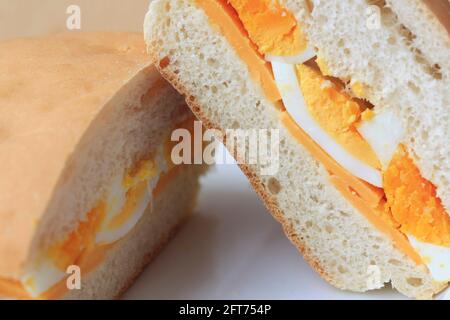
x=360, y=146
x=115, y=215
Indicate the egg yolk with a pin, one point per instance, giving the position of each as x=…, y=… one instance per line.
x=413, y=201
x=79, y=240
x=83, y=237
x=336, y=113
x=136, y=182
x=323, y=66
x=142, y=172
x=271, y=27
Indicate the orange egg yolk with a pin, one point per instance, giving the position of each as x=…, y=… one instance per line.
x=271, y=27
x=336, y=113
x=79, y=240
x=413, y=202
x=142, y=172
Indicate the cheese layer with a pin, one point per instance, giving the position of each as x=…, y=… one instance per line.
x=338, y=114
x=364, y=197
x=230, y=25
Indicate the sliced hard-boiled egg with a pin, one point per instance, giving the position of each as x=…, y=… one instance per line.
x=302, y=57
x=384, y=132
x=116, y=226
x=437, y=258
x=43, y=276
x=116, y=198
x=287, y=82
x=271, y=27
x=127, y=201
x=120, y=211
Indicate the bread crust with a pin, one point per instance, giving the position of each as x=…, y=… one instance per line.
x=441, y=10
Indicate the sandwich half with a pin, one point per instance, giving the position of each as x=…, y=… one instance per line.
x=87, y=187
x=358, y=91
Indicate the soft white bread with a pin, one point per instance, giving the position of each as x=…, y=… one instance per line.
x=333, y=236
x=77, y=110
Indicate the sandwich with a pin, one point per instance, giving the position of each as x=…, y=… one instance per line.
x=358, y=91
x=88, y=190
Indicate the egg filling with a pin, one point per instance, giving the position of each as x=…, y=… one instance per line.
x=271, y=27
x=413, y=202
x=336, y=113
x=114, y=216
x=360, y=147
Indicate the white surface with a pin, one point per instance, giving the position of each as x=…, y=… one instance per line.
x=233, y=249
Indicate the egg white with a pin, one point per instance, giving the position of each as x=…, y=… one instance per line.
x=289, y=87
x=437, y=258
x=107, y=235
x=41, y=278
x=302, y=57
x=116, y=201
x=384, y=132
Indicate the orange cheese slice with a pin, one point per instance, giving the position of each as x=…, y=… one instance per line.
x=370, y=194
x=225, y=18
x=366, y=198
x=375, y=216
